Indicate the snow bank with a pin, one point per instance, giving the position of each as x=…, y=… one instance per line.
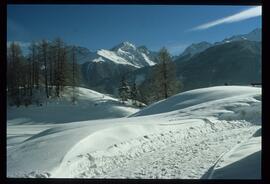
x=46, y=150
x=197, y=97
x=100, y=148
x=24, y=122
x=242, y=162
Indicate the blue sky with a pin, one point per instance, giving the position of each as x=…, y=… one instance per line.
x=155, y=26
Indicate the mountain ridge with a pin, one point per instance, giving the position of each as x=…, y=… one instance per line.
x=195, y=48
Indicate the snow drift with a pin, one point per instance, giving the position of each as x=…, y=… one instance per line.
x=243, y=161
x=24, y=122
x=181, y=137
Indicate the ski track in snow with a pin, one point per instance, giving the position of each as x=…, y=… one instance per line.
x=176, y=159
x=175, y=154
x=184, y=142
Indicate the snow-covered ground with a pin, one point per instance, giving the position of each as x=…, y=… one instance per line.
x=195, y=134
x=25, y=122
x=243, y=161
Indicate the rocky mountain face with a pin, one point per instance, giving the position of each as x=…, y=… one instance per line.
x=234, y=60
x=104, y=71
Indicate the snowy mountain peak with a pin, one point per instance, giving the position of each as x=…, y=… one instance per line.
x=126, y=53
x=128, y=44
x=143, y=49
x=108, y=63
x=124, y=46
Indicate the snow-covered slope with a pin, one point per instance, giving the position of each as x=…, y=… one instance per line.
x=23, y=122
x=243, y=161
x=197, y=98
x=90, y=105
x=181, y=138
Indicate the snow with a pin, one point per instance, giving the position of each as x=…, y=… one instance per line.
x=122, y=52
x=99, y=59
x=181, y=137
x=110, y=55
x=128, y=44
x=125, y=45
x=243, y=161
x=150, y=63
x=25, y=122
x=196, y=98
x=125, y=54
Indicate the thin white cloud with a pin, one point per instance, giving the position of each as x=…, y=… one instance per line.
x=243, y=15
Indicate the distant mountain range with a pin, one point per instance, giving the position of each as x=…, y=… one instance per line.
x=255, y=35
x=196, y=48
x=123, y=54
x=234, y=60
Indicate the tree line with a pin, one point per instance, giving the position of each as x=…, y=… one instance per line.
x=49, y=66
x=42, y=74
x=161, y=84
